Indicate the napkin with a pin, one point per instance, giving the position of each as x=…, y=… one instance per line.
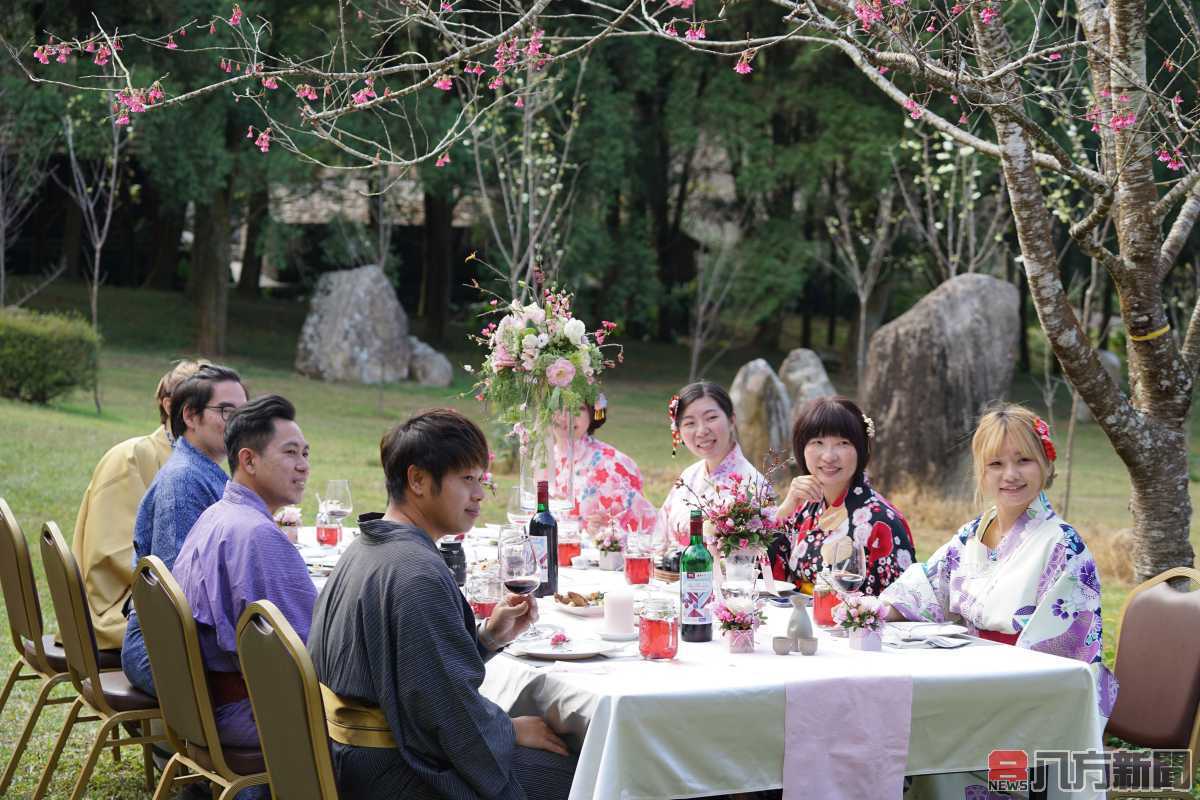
x=846, y=738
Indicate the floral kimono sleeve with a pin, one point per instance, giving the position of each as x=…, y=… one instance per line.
x=922, y=592
x=1066, y=620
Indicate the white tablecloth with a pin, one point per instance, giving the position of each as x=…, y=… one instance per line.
x=710, y=722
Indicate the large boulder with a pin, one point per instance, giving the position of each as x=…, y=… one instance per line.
x=428, y=367
x=763, y=410
x=931, y=372
x=1112, y=365
x=356, y=330
x=805, y=378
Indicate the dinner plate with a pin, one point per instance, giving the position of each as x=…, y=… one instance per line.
x=580, y=611
x=572, y=650
x=915, y=631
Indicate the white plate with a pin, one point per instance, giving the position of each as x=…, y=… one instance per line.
x=580, y=611
x=916, y=631
x=572, y=650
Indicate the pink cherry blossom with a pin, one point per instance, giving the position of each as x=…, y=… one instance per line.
x=868, y=13
x=930, y=28
x=1054, y=57
x=122, y=120
x=962, y=119
x=913, y=108
x=171, y=43
x=520, y=103
x=988, y=15
x=155, y=94
x=64, y=52
x=669, y=30
x=535, y=44
x=443, y=83
x=953, y=99
x=212, y=27
x=1123, y=98
x=235, y=18
x=694, y=33
x=1123, y=121
x=560, y=373
x=742, y=67
x=680, y=3
x=496, y=82
x=41, y=55
x=102, y=56
x=269, y=82
x=446, y=6
x=263, y=142
x=475, y=69
x=956, y=9
x=1177, y=99
x=443, y=160
x=884, y=70
x=1106, y=92
x=306, y=92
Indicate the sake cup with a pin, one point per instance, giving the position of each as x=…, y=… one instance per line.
x=782, y=645
x=579, y=562
x=807, y=647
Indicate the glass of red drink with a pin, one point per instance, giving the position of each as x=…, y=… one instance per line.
x=658, y=630
x=483, y=592
x=329, y=532
x=824, y=599
x=637, y=568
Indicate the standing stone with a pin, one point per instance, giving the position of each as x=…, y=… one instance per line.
x=762, y=407
x=355, y=331
x=930, y=373
x=805, y=378
x=429, y=367
x=1112, y=365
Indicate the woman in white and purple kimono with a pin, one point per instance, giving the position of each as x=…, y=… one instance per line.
x=1017, y=574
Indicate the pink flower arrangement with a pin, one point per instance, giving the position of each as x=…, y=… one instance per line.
x=859, y=612
x=739, y=614
x=610, y=541
x=741, y=516
x=559, y=639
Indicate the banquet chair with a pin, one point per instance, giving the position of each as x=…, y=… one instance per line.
x=183, y=692
x=1157, y=663
x=287, y=705
x=115, y=703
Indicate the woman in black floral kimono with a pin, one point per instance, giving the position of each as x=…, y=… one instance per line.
x=832, y=500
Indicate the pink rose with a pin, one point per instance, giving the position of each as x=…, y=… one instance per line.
x=560, y=373
x=501, y=358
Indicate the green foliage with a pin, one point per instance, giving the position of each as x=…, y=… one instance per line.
x=43, y=356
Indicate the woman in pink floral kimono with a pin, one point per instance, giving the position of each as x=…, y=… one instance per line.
x=1018, y=573
x=608, y=484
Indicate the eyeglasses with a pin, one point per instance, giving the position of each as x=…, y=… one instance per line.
x=226, y=411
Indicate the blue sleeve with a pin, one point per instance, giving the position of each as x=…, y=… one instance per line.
x=179, y=504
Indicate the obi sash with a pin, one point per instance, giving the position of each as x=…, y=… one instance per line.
x=353, y=723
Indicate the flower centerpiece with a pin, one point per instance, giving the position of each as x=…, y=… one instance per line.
x=610, y=543
x=540, y=359
x=862, y=617
x=739, y=618
x=742, y=516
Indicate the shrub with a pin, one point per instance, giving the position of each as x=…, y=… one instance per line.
x=43, y=356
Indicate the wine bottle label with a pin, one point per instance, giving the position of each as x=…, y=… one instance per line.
x=696, y=594
x=539, y=547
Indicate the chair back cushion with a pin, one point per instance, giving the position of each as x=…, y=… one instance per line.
x=74, y=621
x=174, y=650
x=287, y=705
x=16, y=580
x=1158, y=666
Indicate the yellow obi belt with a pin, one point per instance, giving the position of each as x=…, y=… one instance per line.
x=355, y=724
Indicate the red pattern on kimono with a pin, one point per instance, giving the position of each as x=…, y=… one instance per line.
x=870, y=519
x=607, y=483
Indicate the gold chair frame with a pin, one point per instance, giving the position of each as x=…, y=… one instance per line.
x=149, y=578
x=263, y=624
x=1194, y=739
x=79, y=641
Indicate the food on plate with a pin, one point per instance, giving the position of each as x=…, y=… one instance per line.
x=580, y=600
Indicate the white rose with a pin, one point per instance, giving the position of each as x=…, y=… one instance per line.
x=543, y=339
x=535, y=314
x=574, y=330
x=530, y=342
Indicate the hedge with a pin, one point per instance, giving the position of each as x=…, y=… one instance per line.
x=43, y=356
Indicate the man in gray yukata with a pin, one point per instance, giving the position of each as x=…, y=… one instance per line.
x=396, y=647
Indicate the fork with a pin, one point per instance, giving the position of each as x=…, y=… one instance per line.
x=946, y=643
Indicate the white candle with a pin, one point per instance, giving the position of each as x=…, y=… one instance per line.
x=618, y=612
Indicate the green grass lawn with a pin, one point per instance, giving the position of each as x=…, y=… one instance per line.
x=47, y=453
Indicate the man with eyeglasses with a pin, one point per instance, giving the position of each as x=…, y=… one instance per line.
x=190, y=481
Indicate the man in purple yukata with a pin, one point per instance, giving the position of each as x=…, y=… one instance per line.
x=236, y=554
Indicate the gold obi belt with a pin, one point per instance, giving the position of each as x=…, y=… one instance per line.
x=355, y=724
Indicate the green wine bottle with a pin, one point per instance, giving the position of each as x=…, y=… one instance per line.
x=696, y=586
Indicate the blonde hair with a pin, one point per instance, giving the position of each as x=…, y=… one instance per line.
x=181, y=371
x=1014, y=423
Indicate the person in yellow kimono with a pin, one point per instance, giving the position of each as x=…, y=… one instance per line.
x=103, y=541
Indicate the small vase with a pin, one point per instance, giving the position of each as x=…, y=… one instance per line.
x=741, y=641
x=741, y=571
x=612, y=560
x=863, y=639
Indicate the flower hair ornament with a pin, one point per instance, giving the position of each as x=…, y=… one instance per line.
x=672, y=409
x=870, y=425
x=1043, y=431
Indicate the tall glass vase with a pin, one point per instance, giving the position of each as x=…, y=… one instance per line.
x=542, y=460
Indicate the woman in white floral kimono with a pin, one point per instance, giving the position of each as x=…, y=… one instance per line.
x=702, y=418
x=1017, y=574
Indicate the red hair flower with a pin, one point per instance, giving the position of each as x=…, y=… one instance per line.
x=1043, y=431
x=672, y=410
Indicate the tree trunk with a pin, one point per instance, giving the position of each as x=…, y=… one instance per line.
x=1149, y=432
x=165, y=234
x=257, y=217
x=1023, y=317
x=438, y=261
x=210, y=270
